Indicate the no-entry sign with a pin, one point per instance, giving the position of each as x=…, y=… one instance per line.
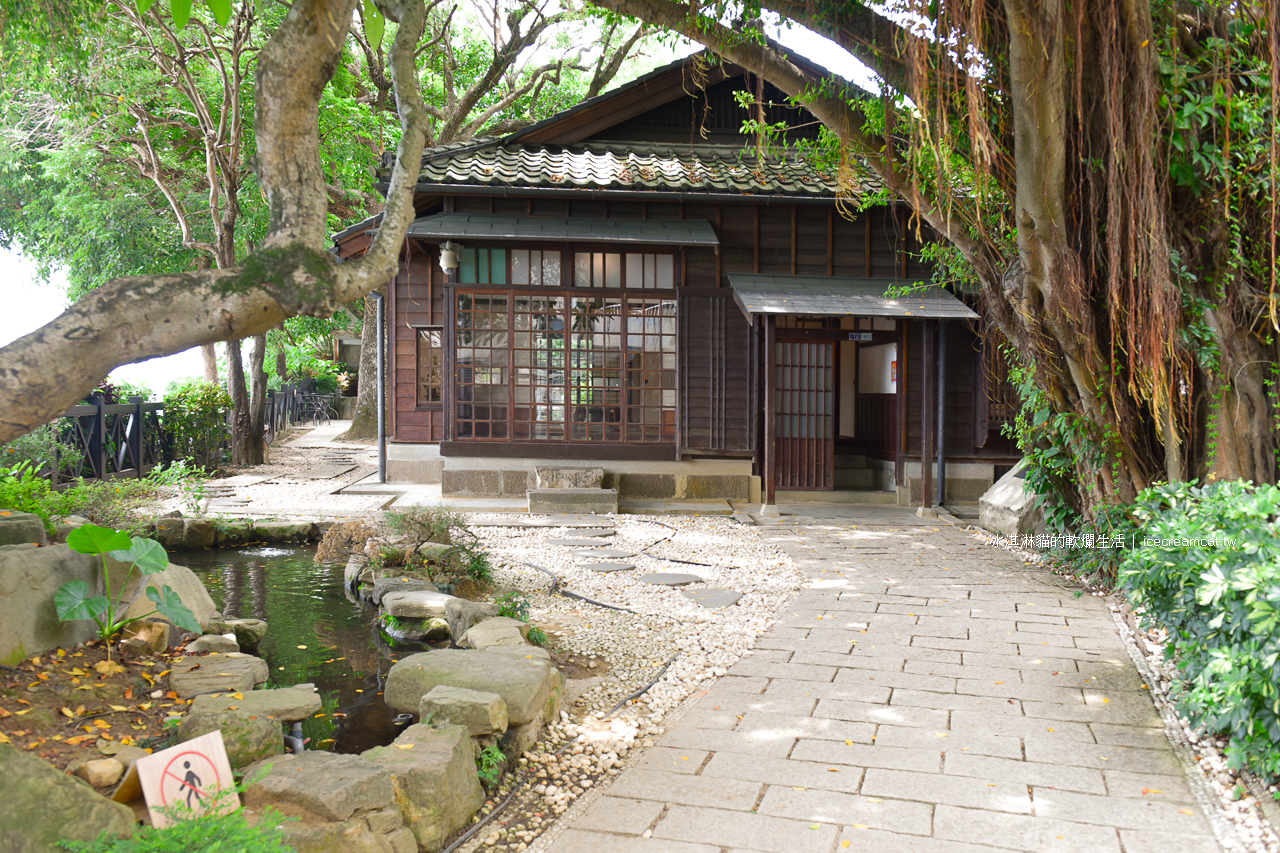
x=189, y=779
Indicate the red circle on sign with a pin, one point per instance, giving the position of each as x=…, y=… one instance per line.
x=177, y=782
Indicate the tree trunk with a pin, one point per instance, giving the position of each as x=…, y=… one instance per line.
x=243, y=449
x=364, y=421
x=209, y=353
x=258, y=402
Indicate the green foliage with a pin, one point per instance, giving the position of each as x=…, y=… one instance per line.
x=490, y=764
x=43, y=448
x=392, y=622
x=74, y=602
x=537, y=636
x=176, y=473
x=1208, y=569
x=22, y=490
x=205, y=832
x=513, y=604
x=195, y=416
x=475, y=562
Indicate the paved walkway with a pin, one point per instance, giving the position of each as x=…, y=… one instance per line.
x=926, y=694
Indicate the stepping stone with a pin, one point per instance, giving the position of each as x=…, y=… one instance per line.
x=570, y=542
x=555, y=520
x=502, y=522
x=602, y=552
x=324, y=472
x=591, y=531
x=669, y=578
x=712, y=598
x=234, y=672
x=228, y=502
x=606, y=568
x=287, y=704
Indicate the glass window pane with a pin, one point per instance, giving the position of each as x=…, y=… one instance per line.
x=430, y=366
x=535, y=268
x=482, y=266
x=597, y=270
x=648, y=271
x=519, y=266
x=612, y=271
x=498, y=266
x=551, y=268
x=467, y=269
x=582, y=269
x=666, y=271
x=635, y=270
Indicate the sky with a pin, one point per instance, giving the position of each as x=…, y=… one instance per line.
x=30, y=303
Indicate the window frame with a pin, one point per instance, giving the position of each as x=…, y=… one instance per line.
x=668, y=431
x=437, y=405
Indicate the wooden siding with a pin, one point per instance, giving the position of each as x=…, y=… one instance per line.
x=716, y=373
x=961, y=381
x=417, y=301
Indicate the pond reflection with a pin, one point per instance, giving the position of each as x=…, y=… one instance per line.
x=316, y=634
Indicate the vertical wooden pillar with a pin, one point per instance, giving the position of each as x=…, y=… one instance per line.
x=926, y=460
x=769, y=475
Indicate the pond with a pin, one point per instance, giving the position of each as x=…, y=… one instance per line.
x=317, y=633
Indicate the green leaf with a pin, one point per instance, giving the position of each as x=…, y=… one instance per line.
x=72, y=601
x=374, y=24
x=147, y=554
x=145, y=5
x=92, y=539
x=170, y=605
x=181, y=10
x=221, y=11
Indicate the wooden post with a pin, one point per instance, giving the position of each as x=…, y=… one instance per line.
x=926, y=461
x=770, y=417
x=96, y=446
x=133, y=436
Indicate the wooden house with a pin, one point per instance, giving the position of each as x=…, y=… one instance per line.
x=633, y=285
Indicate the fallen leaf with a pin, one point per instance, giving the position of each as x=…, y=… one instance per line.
x=405, y=745
x=237, y=695
x=25, y=711
x=4, y=713
x=833, y=769
x=858, y=825
x=117, y=707
x=1106, y=701
x=171, y=695
x=75, y=670
x=128, y=694
x=845, y=843
x=814, y=825
x=1185, y=811
x=1151, y=791
x=35, y=661
x=67, y=712
x=108, y=667
x=798, y=788
x=848, y=743
x=302, y=647
x=4, y=738
x=872, y=800
x=44, y=676
x=1051, y=729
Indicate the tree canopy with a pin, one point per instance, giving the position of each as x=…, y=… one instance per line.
x=1104, y=172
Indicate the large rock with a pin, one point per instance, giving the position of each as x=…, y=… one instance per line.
x=43, y=806
x=284, y=531
x=213, y=643
x=527, y=685
x=1009, y=508
x=285, y=705
x=234, y=533
x=199, y=533
x=149, y=635
x=21, y=528
x=437, y=788
x=498, y=631
x=480, y=713
x=29, y=579
x=329, y=786
x=234, y=672
x=399, y=583
x=417, y=605
x=170, y=532
x=181, y=579
x=247, y=737
x=248, y=632
x=462, y=613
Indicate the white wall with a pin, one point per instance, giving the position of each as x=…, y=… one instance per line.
x=848, y=377
x=875, y=369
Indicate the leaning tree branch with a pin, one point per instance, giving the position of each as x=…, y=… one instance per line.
x=141, y=317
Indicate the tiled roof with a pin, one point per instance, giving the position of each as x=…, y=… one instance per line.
x=827, y=296
x=464, y=226
x=642, y=167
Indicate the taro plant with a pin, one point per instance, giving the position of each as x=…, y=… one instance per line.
x=490, y=764
x=73, y=600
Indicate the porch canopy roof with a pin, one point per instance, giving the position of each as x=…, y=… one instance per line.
x=488, y=226
x=819, y=295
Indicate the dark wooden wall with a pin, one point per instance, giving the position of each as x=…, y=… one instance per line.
x=417, y=300
x=717, y=379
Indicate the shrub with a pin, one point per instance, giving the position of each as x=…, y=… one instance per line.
x=1207, y=567
x=42, y=447
x=425, y=524
x=110, y=503
x=195, y=416
x=223, y=833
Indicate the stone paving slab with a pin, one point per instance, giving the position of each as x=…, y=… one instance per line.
x=924, y=694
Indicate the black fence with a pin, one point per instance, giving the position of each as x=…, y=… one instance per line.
x=106, y=442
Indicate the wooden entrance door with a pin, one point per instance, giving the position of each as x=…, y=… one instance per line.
x=803, y=413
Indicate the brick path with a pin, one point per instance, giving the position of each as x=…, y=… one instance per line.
x=926, y=694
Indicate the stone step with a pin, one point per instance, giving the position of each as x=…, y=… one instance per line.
x=850, y=460
x=572, y=500
x=853, y=478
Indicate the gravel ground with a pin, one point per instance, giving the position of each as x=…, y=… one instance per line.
x=1237, y=797
x=594, y=736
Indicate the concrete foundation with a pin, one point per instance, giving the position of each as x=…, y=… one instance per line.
x=473, y=476
x=966, y=482
x=574, y=501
